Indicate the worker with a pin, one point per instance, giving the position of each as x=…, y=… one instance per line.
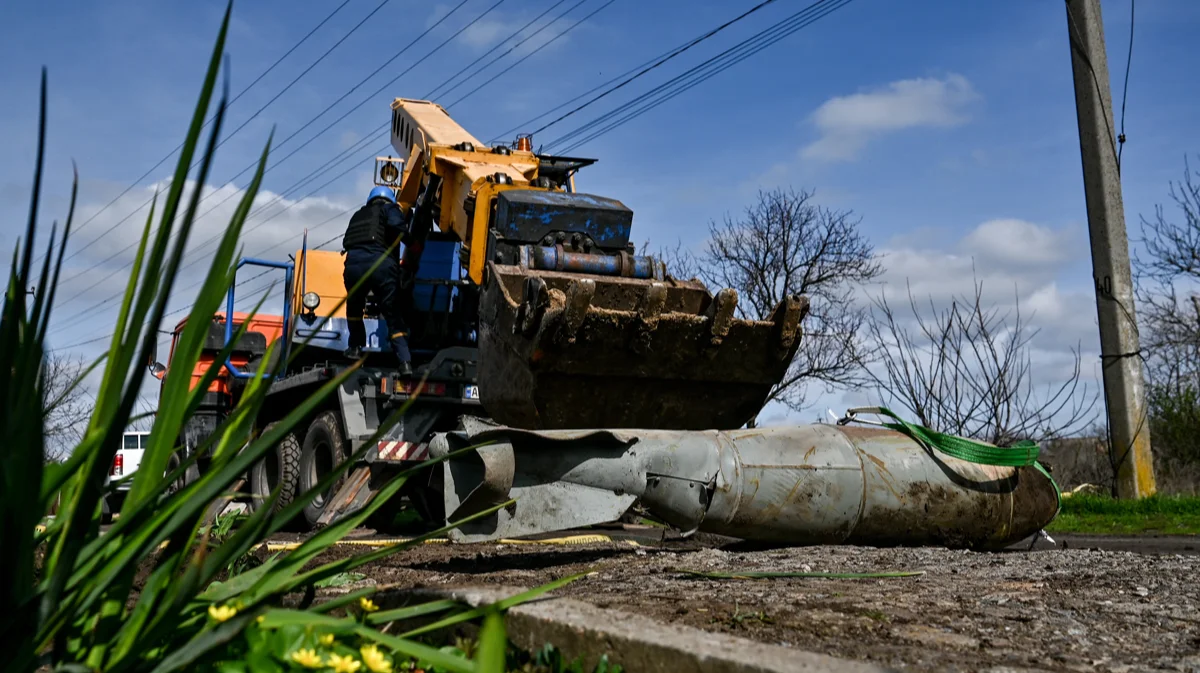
x=375, y=231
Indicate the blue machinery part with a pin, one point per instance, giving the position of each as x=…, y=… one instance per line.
x=555, y=258
x=288, y=269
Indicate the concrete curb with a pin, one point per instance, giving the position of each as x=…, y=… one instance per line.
x=636, y=642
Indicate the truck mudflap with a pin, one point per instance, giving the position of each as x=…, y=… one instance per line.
x=562, y=350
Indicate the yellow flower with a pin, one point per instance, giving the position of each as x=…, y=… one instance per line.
x=367, y=604
x=346, y=664
x=307, y=658
x=326, y=639
x=375, y=660
x=221, y=613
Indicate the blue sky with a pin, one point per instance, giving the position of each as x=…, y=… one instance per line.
x=948, y=126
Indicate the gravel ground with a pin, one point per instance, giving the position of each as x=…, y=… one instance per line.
x=1072, y=609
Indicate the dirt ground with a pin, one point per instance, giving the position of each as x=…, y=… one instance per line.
x=1054, y=609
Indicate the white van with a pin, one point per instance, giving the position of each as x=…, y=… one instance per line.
x=125, y=463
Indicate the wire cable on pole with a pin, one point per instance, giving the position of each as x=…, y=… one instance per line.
x=1125, y=88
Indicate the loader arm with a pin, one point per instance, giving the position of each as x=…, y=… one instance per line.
x=575, y=329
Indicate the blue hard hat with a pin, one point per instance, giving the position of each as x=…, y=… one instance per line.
x=385, y=192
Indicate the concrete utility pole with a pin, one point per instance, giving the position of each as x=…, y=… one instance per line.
x=1124, y=387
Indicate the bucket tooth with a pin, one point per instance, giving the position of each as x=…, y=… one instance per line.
x=579, y=300
x=787, y=317
x=533, y=307
x=649, y=309
x=720, y=315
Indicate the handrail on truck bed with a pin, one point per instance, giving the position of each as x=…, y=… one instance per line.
x=287, y=314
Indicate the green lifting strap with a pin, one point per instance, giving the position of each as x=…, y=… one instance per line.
x=1021, y=454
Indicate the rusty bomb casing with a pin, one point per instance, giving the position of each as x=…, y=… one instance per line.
x=801, y=485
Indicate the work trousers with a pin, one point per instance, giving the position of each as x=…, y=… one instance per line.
x=384, y=282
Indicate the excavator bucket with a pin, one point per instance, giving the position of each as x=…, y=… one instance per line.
x=574, y=350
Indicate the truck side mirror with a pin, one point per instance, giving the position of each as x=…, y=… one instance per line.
x=157, y=369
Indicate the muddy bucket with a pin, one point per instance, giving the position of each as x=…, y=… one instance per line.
x=563, y=350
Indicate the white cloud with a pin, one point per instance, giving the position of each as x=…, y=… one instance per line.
x=1017, y=243
x=93, y=279
x=848, y=123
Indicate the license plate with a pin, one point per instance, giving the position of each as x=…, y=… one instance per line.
x=470, y=392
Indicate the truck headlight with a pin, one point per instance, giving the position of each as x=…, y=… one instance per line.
x=311, y=300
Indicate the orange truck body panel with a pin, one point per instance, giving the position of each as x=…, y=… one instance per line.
x=320, y=271
x=271, y=326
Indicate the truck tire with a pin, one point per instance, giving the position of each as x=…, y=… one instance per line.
x=279, y=468
x=190, y=475
x=324, y=449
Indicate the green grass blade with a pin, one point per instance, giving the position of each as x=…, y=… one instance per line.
x=21, y=354
x=203, y=642
x=511, y=601
x=401, y=614
x=418, y=651
x=52, y=287
x=86, y=496
x=492, y=644
x=35, y=197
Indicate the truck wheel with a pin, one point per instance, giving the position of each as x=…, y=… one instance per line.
x=279, y=468
x=189, y=475
x=324, y=449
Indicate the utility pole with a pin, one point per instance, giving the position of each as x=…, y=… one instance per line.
x=1124, y=388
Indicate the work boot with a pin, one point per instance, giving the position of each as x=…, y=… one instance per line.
x=354, y=353
x=405, y=369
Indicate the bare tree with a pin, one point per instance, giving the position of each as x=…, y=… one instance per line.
x=785, y=244
x=966, y=370
x=1169, y=265
x=1168, y=274
x=66, y=407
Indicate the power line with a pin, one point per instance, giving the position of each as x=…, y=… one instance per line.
x=206, y=123
x=254, y=164
x=1125, y=88
x=385, y=86
x=547, y=113
x=492, y=80
x=238, y=284
x=354, y=88
x=195, y=260
x=706, y=69
x=702, y=72
x=340, y=157
x=429, y=96
x=514, y=46
x=656, y=64
x=294, y=134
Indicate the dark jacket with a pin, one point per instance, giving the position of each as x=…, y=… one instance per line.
x=375, y=227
